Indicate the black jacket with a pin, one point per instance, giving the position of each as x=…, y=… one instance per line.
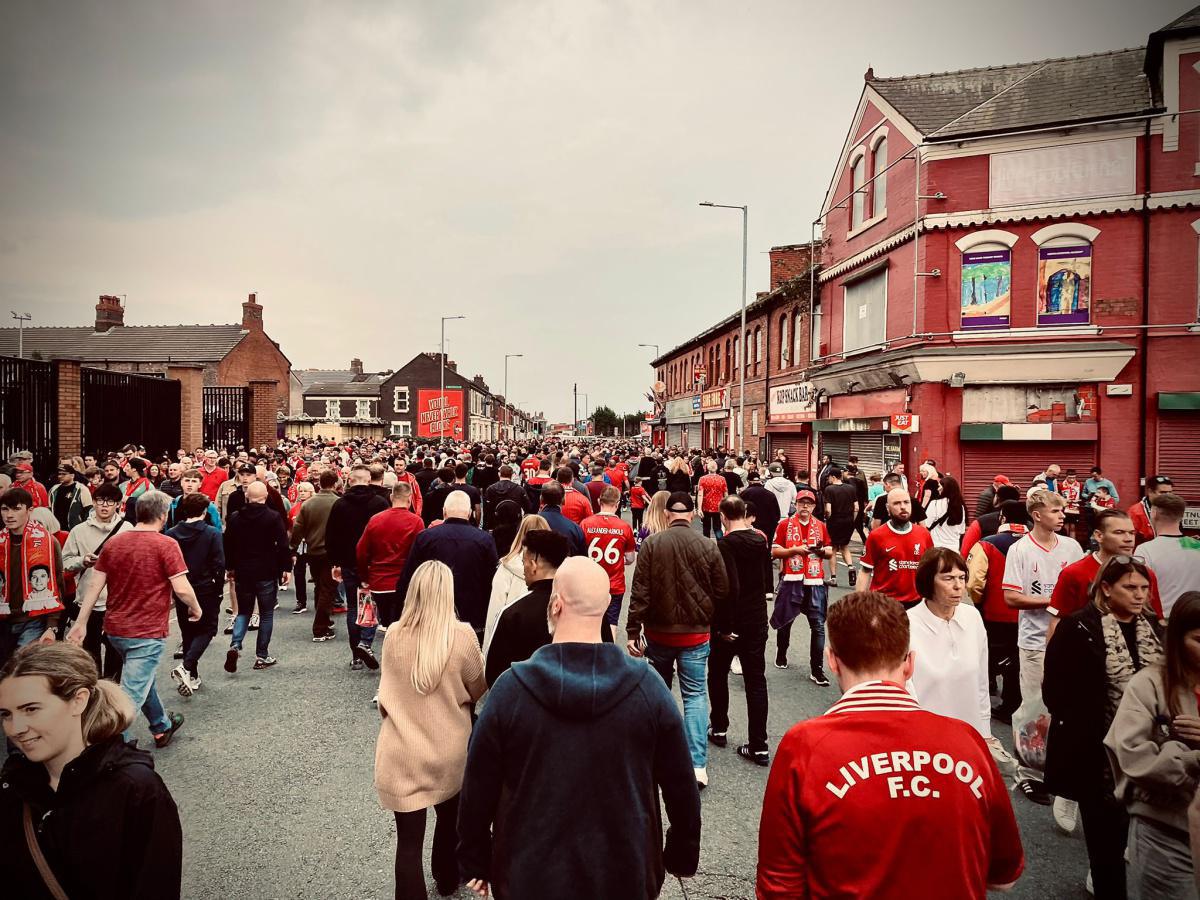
x=766, y=508
x=256, y=544
x=748, y=562
x=204, y=553
x=348, y=520
x=521, y=629
x=1074, y=689
x=110, y=832
x=497, y=493
x=572, y=715
x=471, y=555
x=484, y=476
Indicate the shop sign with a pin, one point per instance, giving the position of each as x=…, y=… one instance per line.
x=647, y=429
x=686, y=409
x=792, y=402
x=1191, y=519
x=905, y=423
x=711, y=400
x=438, y=414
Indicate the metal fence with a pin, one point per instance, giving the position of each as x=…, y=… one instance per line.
x=29, y=411
x=226, y=418
x=119, y=408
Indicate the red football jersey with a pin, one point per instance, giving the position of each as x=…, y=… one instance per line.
x=576, y=506
x=715, y=488
x=616, y=477
x=608, y=539
x=638, y=497
x=892, y=557
x=529, y=466
x=1072, y=591
x=791, y=533
x=859, y=798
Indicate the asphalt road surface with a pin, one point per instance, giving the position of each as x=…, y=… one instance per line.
x=272, y=772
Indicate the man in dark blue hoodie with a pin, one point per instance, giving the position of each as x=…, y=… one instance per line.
x=578, y=713
x=205, y=557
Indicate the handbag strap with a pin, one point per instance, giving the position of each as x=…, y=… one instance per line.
x=39, y=859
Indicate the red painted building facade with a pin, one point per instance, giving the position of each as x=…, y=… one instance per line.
x=1009, y=275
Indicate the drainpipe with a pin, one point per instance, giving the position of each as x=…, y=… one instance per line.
x=1144, y=342
x=916, y=236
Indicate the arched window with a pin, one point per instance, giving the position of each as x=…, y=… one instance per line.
x=784, y=345
x=797, y=336
x=757, y=348
x=736, y=356
x=879, y=192
x=986, y=283
x=858, y=177
x=728, y=363
x=1064, y=273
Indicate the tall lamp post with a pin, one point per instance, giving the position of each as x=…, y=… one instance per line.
x=21, y=318
x=745, y=349
x=507, y=402
x=442, y=369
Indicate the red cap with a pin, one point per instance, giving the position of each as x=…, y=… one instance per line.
x=806, y=495
x=1001, y=479
x=24, y=467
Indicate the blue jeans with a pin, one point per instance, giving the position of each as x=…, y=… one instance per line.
x=139, y=661
x=248, y=592
x=692, y=663
x=359, y=637
x=811, y=601
x=15, y=636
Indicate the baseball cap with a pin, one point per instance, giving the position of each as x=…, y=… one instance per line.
x=680, y=502
x=806, y=495
x=1001, y=479
x=246, y=469
x=753, y=475
x=776, y=469
x=1152, y=481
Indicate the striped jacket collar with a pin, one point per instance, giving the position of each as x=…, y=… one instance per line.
x=875, y=696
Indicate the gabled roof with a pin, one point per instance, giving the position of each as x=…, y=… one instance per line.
x=949, y=105
x=368, y=388
x=308, y=377
x=127, y=343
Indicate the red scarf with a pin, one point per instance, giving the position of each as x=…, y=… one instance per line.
x=37, y=549
x=800, y=535
x=135, y=488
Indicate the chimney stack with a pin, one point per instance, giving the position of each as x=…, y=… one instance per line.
x=252, y=314
x=356, y=366
x=109, y=313
x=789, y=262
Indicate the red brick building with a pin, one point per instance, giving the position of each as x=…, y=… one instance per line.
x=1009, y=276
x=702, y=394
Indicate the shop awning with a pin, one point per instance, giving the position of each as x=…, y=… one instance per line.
x=1185, y=400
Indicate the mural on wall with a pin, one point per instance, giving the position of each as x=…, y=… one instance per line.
x=986, y=289
x=438, y=417
x=1065, y=285
x=1031, y=403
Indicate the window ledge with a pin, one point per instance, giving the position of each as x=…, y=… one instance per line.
x=976, y=334
x=867, y=224
x=872, y=348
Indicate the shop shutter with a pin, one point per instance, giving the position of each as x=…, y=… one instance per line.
x=868, y=447
x=1021, y=461
x=695, y=436
x=1179, y=452
x=674, y=435
x=797, y=448
x=836, y=444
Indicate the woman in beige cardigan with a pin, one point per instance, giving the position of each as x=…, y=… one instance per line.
x=432, y=672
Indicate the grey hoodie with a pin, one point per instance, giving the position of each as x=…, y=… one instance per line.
x=84, y=539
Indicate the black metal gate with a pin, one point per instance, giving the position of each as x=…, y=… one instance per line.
x=119, y=408
x=226, y=418
x=29, y=411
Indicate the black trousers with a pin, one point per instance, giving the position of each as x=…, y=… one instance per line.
x=198, y=635
x=1105, y=830
x=300, y=579
x=751, y=648
x=95, y=643
x=1004, y=663
x=712, y=523
x=636, y=515
x=410, y=840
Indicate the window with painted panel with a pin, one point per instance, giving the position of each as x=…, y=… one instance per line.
x=879, y=185
x=864, y=314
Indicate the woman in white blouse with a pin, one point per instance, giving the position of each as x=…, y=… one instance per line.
x=946, y=516
x=950, y=676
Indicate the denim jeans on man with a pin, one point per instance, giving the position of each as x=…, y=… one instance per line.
x=359, y=637
x=692, y=663
x=139, y=662
x=15, y=636
x=249, y=592
x=812, y=600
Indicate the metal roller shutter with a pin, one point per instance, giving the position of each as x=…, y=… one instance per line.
x=674, y=435
x=1178, y=441
x=868, y=447
x=797, y=448
x=836, y=444
x=1021, y=461
x=695, y=436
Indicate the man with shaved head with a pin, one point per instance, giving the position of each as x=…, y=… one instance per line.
x=893, y=550
x=469, y=552
x=257, y=558
x=577, y=712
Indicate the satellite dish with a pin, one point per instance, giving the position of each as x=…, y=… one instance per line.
x=659, y=387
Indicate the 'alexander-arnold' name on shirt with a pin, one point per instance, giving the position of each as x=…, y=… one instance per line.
x=915, y=762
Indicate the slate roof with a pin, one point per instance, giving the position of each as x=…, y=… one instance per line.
x=309, y=377
x=1186, y=22
x=947, y=105
x=368, y=388
x=127, y=343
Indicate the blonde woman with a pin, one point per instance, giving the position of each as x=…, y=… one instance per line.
x=432, y=673
x=105, y=819
x=508, y=584
x=656, y=517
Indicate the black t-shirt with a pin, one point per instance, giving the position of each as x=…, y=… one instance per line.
x=471, y=491
x=732, y=481
x=1129, y=630
x=841, y=499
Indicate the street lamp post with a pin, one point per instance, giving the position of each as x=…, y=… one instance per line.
x=442, y=370
x=585, y=409
x=745, y=349
x=507, y=402
x=21, y=318
x=655, y=346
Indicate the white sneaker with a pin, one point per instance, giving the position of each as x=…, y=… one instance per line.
x=1088, y=886
x=253, y=622
x=701, y=777
x=736, y=666
x=382, y=629
x=182, y=681
x=283, y=587
x=1066, y=814
x=375, y=700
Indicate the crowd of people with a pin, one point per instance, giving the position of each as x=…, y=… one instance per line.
x=496, y=576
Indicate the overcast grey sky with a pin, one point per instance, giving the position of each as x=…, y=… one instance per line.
x=535, y=166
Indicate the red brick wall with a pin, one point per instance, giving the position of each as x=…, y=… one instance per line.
x=788, y=263
x=263, y=409
x=256, y=358
x=70, y=426
x=191, y=399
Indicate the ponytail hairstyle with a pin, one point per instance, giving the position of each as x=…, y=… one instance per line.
x=68, y=668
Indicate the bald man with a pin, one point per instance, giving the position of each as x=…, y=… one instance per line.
x=578, y=712
x=257, y=560
x=893, y=550
x=469, y=552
